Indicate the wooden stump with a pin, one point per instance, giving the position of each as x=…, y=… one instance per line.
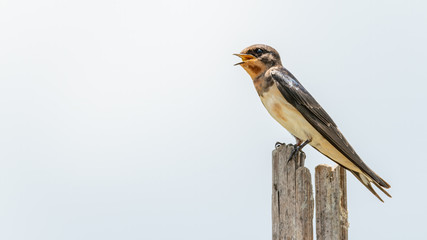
x=293, y=204
x=292, y=198
x=331, y=203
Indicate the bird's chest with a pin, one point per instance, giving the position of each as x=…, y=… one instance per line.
x=286, y=114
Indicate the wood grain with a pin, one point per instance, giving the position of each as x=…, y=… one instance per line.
x=292, y=197
x=331, y=203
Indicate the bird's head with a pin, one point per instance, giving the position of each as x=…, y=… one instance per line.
x=258, y=58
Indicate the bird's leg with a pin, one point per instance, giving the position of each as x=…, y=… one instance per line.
x=299, y=141
x=298, y=146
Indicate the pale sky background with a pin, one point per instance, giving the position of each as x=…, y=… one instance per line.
x=127, y=119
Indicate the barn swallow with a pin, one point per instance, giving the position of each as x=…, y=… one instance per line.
x=290, y=104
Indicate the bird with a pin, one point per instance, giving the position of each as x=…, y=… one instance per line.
x=290, y=104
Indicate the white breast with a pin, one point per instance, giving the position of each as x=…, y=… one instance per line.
x=286, y=114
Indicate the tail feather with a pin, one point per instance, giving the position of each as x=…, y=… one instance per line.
x=382, y=189
x=381, y=182
x=367, y=182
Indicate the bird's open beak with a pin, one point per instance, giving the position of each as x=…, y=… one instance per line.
x=244, y=57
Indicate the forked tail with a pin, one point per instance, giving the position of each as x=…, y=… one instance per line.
x=367, y=182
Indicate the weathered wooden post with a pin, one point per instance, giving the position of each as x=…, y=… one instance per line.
x=331, y=203
x=292, y=200
x=293, y=204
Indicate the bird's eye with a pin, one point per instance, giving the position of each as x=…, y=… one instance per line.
x=259, y=51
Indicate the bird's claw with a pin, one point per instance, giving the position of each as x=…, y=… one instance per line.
x=278, y=144
x=298, y=147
